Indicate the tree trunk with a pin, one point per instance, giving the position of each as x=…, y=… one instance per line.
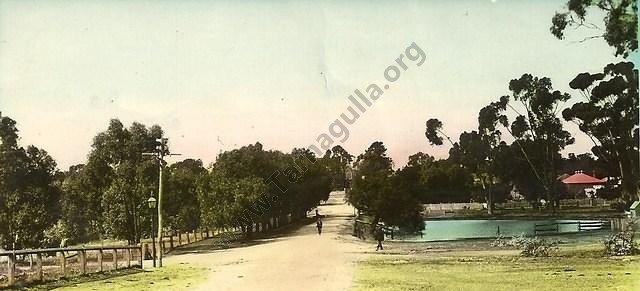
x=490, y=201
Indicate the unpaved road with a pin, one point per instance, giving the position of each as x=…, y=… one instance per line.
x=298, y=260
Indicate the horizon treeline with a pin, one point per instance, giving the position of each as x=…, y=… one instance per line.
x=106, y=197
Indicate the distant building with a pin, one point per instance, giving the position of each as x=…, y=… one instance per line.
x=581, y=185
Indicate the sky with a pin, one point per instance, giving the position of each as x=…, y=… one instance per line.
x=217, y=75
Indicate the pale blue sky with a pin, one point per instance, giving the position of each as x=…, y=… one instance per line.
x=220, y=75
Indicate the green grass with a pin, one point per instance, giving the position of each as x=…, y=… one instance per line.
x=579, y=272
x=172, y=277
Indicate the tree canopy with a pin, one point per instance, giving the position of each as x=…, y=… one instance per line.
x=608, y=114
x=620, y=22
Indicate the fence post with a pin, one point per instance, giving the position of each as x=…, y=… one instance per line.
x=141, y=259
x=115, y=259
x=188, y=240
x=100, y=260
x=579, y=226
x=39, y=267
x=128, y=258
x=83, y=261
x=63, y=264
x=179, y=238
x=146, y=250
x=11, y=269
x=171, y=242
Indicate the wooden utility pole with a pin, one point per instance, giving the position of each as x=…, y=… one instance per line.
x=162, y=150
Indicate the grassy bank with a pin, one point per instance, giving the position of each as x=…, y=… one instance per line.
x=173, y=277
x=580, y=268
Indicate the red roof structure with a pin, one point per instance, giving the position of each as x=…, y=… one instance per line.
x=582, y=179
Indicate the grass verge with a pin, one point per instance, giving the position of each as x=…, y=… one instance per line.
x=488, y=272
x=172, y=277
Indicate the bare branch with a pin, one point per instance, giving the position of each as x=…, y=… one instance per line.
x=588, y=38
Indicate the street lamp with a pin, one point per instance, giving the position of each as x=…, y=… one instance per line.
x=152, y=203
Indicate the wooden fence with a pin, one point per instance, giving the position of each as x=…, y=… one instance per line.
x=581, y=225
x=172, y=240
x=61, y=262
x=444, y=209
x=564, y=203
x=55, y=263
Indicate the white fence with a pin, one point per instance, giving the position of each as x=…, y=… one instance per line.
x=450, y=208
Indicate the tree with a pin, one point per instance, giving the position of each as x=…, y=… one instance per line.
x=538, y=132
x=621, y=22
x=387, y=196
x=609, y=116
x=181, y=201
x=124, y=177
x=372, y=181
x=475, y=151
x=28, y=195
x=79, y=205
x=224, y=199
x=292, y=184
x=446, y=181
x=434, y=132
x=311, y=185
x=338, y=160
x=585, y=162
x=403, y=208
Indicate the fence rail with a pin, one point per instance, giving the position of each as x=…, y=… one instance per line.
x=582, y=225
x=444, y=209
x=60, y=262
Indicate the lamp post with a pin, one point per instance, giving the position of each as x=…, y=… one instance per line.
x=152, y=203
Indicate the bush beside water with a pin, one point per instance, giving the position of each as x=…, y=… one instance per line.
x=529, y=246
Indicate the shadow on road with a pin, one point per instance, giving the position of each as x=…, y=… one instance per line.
x=235, y=240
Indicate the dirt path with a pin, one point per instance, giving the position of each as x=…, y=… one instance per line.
x=299, y=260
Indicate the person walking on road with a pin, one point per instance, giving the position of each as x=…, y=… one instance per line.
x=319, y=226
x=379, y=236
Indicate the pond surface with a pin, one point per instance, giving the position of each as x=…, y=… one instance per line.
x=453, y=229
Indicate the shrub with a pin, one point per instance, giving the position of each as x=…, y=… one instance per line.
x=500, y=242
x=537, y=247
x=622, y=243
x=54, y=235
x=519, y=240
x=529, y=246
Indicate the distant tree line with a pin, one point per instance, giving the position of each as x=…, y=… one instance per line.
x=482, y=166
x=106, y=197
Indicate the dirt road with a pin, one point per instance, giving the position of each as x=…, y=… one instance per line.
x=298, y=260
